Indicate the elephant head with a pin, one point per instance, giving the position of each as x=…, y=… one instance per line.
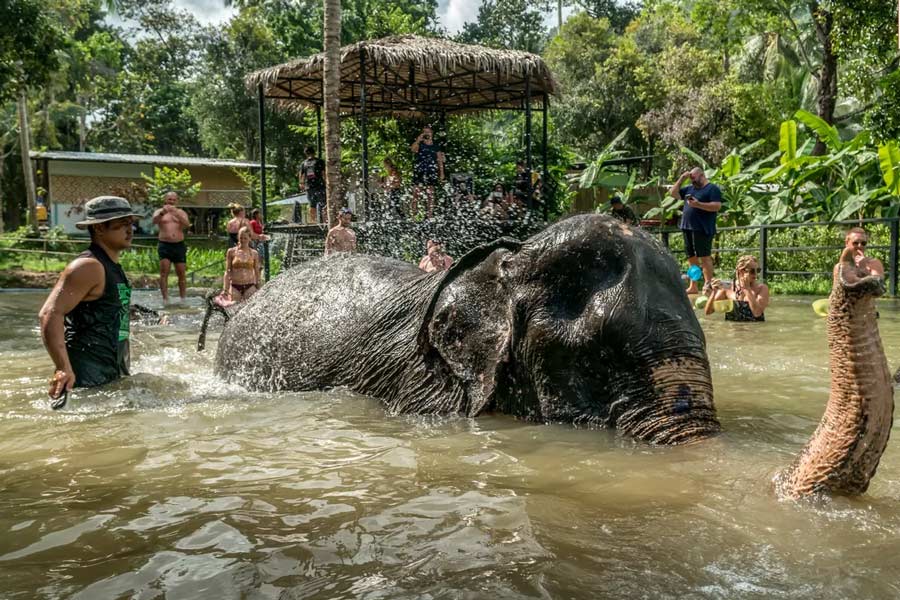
x=586, y=322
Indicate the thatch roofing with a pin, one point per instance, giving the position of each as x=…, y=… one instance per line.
x=414, y=75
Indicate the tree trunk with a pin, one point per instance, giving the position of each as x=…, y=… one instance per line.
x=332, y=97
x=827, y=95
x=82, y=123
x=25, y=147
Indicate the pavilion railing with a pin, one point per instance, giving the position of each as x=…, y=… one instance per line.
x=764, y=250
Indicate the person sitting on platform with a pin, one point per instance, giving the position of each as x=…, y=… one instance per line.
x=341, y=238
x=242, y=269
x=392, y=182
x=622, y=212
x=494, y=205
x=435, y=258
x=750, y=297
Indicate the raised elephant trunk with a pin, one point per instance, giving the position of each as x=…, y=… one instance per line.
x=673, y=405
x=844, y=451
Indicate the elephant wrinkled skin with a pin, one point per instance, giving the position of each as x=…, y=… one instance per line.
x=586, y=322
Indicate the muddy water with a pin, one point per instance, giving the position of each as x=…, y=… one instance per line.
x=172, y=484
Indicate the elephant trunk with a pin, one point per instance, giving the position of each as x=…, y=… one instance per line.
x=673, y=405
x=844, y=451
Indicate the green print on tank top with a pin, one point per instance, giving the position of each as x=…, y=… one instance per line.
x=125, y=312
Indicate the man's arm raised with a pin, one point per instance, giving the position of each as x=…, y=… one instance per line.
x=82, y=280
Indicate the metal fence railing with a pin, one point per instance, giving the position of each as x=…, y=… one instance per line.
x=764, y=250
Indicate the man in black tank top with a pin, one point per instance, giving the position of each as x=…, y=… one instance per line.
x=85, y=319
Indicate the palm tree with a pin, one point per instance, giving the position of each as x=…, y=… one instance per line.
x=332, y=100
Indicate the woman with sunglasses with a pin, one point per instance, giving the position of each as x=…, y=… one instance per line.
x=750, y=297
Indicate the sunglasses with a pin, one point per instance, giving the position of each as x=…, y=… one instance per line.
x=757, y=270
x=862, y=243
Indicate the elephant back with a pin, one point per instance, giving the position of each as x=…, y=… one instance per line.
x=302, y=329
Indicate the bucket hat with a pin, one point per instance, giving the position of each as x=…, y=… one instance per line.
x=105, y=208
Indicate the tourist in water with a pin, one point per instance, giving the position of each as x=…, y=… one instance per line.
x=341, y=238
x=242, y=269
x=312, y=181
x=622, y=212
x=84, y=321
x=750, y=297
x=702, y=201
x=392, y=182
x=428, y=169
x=435, y=258
x=857, y=238
x=172, y=222
x=238, y=220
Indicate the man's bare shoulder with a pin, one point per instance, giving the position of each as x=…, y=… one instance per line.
x=84, y=272
x=84, y=266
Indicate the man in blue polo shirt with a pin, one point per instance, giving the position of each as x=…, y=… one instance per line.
x=702, y=200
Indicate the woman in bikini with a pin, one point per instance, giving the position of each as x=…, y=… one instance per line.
x=238, y=220
x=750, y=296
x=242, y=268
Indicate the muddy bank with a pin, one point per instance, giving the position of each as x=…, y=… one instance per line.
x=20, y=278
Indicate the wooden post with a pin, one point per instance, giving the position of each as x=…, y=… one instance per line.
x=262, y=171
x=528, y=138
x=319, y=131
x=363, y=130
x=545, y=175
x=763, y=247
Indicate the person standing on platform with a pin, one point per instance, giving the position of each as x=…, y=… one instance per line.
x=428, y=170
x=172, y=221
x=312, y=181
x=85, y=320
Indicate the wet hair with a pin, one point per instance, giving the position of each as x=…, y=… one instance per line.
x=241, y=232
x=235, y=209
x=858, y=230
x=309, y=150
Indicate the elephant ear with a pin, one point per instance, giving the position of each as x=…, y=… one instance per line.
x=468, y=324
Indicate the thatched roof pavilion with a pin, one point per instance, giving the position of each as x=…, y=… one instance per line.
x=411, y=75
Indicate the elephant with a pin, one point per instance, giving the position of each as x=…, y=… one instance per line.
x=585, y=322
x=846, y=447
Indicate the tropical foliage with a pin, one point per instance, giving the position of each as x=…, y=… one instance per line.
x=683, y=79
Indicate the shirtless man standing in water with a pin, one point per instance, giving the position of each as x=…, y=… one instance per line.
x=341, y=238
x=856, y=240
x=172, y=221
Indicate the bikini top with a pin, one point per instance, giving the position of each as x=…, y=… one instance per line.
x=238, y=263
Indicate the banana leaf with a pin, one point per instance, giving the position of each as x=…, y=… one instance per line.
x=787, y=142
x=827, y=133
x=889, y=160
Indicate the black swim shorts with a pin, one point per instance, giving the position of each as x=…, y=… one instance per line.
x=697, y=243
x=316, y=197
x=176, y=252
